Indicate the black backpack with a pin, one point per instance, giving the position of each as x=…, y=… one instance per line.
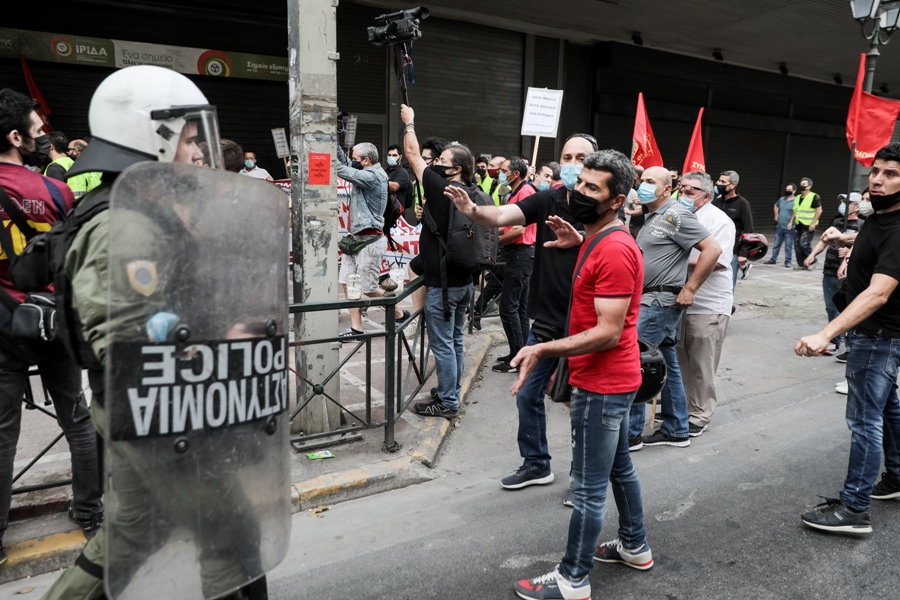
x=465, y=244
x=49, y=250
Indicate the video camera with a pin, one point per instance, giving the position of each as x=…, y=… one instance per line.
x=398, y=27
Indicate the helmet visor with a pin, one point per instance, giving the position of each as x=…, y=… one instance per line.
x=202, y=118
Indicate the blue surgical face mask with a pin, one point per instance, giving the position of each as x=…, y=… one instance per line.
x=503, y=179
x=569, y=174
x=646, y=192
x=393, y=161
x=842, y=208
x=249, y=163
x=543, y=185
x=686, y=202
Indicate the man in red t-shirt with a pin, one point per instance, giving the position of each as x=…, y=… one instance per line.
x=605, y=372
x=517, y=256
x=41, y=201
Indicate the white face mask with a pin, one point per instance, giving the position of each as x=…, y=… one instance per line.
x=865, y=208
x=842, y=208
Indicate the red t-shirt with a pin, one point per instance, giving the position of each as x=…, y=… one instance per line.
x=614, y=269
x=43, y=201
x=530, y=235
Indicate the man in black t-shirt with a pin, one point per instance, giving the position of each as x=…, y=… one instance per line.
x=455, y=165
x=872, y=316
x=548, y=301
x=738, y=210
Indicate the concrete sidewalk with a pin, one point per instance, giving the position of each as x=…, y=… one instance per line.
x=42, y=539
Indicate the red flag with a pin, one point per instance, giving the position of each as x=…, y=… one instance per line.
x=694, y=160
x=43, y=109
x=874, y=126
x=853, y=113
x=644, y=151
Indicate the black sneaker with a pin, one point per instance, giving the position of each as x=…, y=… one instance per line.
x=661, y=439
x=91, y=525
x=841, y=358
x=434, y=393
x=832, y=515
x=504, y=367
x=3, y=556
x=569, y=500
x=435, y=409
x=745, y=270
x=696, y=430
x=402, y=319
x=351, y=333
x=614, y=552
x=886, y=489
x=635, y=444
x=553, y=586
x=525, y=476
x=503, y=359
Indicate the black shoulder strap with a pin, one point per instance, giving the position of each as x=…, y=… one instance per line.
x=445, y=253
x=15, y=215
x=593, y=244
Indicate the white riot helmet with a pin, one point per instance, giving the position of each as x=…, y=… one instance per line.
x=137, y=114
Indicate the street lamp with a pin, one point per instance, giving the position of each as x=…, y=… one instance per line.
x=883, y=17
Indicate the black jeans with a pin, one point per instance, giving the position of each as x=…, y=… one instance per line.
x=61, y=377
x=519, y=260
x=803, y=242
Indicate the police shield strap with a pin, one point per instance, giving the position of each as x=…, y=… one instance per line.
x=198, y=501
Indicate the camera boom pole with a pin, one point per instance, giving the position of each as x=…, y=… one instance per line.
x=401, y=56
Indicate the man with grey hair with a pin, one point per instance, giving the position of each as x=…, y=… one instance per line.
x=705, y=323
x=666, y=239
x=807, y=210
x=368, y=199
x=738, y=210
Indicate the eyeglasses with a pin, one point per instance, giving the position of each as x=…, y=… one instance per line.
x=690, y=189
x=589, y=138
x=428, y=158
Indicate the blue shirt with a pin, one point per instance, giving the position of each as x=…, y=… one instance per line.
x=785, y=211
x=369, y=195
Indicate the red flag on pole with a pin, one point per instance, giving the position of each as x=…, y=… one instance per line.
x=853, y=113
x=43, y=109
x=694, y=160
x=644, y=151
x=874, y=126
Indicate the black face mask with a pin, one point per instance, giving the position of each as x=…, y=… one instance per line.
x=883, y=202
x=722, y=189
x=39, y=155
x=584, y=209
x=788, y=192
x=356, y=165
x=442, y=170
x=481, y=172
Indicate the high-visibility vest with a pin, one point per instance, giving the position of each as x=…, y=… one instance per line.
x=83, y=183
x=64, y=161
x=804, y=212
x=486, y=182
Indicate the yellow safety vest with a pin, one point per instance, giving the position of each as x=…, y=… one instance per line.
x=83, y=183
x=486, y=183
x=64, y=161
x=804, y=213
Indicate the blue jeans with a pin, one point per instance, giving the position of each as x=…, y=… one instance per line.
x=532, y=435
x=600, y=456
x=446, y=340
x=658, y=325
x=786, y=236
x=734, y=271
x=873, y=415
x=518, y=259
x=829, y=287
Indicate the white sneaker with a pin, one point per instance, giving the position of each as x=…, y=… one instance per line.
x=841, y=387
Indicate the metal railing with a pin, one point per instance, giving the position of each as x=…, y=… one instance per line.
x=407, y=365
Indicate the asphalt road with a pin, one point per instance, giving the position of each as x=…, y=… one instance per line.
x=722, y=515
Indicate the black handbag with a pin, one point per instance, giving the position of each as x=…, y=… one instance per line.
x=560, y=390
x=35, y=319
x=351, y=244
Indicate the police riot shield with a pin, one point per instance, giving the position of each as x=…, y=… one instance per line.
x=198, y=494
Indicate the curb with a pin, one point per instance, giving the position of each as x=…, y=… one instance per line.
x=49, y=553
